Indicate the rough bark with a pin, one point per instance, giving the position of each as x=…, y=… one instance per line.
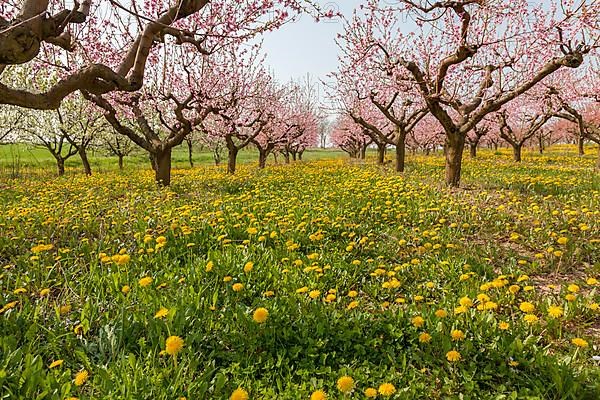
x=455, y=144
x=190, y=157
x=580, y=148
x=163, y=167
x=232, y=153
x=400, y=153
x=120, y=161
x=87, y=168
x=473, y=150
x=517, y=150
x=60, y=166
x=262, y=158
x=380, y=154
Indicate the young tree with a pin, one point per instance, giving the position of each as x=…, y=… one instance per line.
x=468, y=58
x=118, y=146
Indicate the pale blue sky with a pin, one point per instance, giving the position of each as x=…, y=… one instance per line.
x=306, y=46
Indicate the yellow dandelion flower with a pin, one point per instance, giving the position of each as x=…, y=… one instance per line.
x=318, y=395
x=441, y=313
x=387, y=389
x=239, y=394
x=370, y=393
x=579, y=342
x=145, y=281
x=260, y=315
x=248, y=266
x=345, y=384
x=527, y=307
x=163, y=312
x=503, y=325
x=237, y=287
x=424, y=337
x=457, y=335
x=555, y=311
x=81, y=377
x=418, y=321
x=530, y=318
x=573, y=288
x=173, y=345
x=453, y=356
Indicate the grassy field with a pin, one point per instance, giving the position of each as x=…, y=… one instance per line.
x=320, y=279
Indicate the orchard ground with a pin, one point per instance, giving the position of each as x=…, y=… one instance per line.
x=325, y=276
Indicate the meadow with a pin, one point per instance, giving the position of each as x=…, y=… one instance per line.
x=322, y=279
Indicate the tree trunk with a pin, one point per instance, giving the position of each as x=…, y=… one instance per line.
x=380, y=154
x=300, y=155
x=152, y=158
x=262, y=158
x=87, y=168
x=190, y=159
x=294, y=155
x=541, y=145
x=400, y=153
x=580, y=148
x=286, y=155
x=363, y=152
x=60, y=166
x=120, y=161
x=231, y=159
x=598, y=159
x=217, y=156
x=455, y=145
x=517, y=151
x=473, y=150
x=163, y=167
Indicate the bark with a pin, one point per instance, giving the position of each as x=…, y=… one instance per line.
x=541, y=145
x=163, y=167
x=286, y=155
x=380, y=154
x=473, y=150
x=598, y=159
x=363, y=152
x=400, y=153
x=87, y=168
x=60, y=166
x=455, y=144
x=120, y=161
x=262, y=158
x=517, y=148
x=190, y=158
x=152, y=158
x=231, y=159
x=580, y=142
x=300, y=153
x=294, y=155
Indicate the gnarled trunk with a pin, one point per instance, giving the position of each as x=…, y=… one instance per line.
x=363, y=152
x=163, y=167
x=473, y=150
x=60, y=166
x=262, y=158
x=380, y=154
x=400, y=153
x=87, y=168
x=517, y=151
x=232, y=153
x=455, y=145
x=580, y=148
x=120, y=161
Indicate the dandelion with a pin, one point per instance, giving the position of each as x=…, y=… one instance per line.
x=56, y=363
x=248, y=266
x=44, y=292
x=260, y=315
x=81, y=377
x=417, y=321
x=163, y=312
x=441, y=313
x=239, y=394
x=145, y=281
x=352, y=293
x=345, y=384
x=173, y=345
x=318, y=395
x=424, y=337
x=579, y=342
x=465, y=302
x=370, y=393
x=592, y=281
x=237, y=287
x=352, y=305
x=453, y=356
x=457, y=335
x=125, y=289
x=209, y=266
x=555, y=311
x=527, y=307
x=387, y=389
x=530, y=318
x=562, y=240
x=503, y=325
x=573, y=288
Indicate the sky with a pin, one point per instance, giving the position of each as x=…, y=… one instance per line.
x=305, y=46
